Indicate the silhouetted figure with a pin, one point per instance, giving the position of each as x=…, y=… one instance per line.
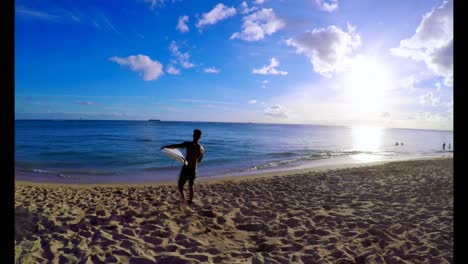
x=449, y=145
x=402, y=143
x=193, y=156
x=396, y=144
x=443, y=146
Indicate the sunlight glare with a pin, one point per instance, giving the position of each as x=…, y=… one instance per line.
x=366, y=138
x=367, y=84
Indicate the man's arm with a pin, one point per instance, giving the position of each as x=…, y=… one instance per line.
x=181, y=145
x=201, y=155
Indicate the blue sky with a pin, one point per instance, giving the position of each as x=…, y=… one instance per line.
x=385, y=63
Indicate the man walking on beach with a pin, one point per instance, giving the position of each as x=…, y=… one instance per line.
x=193, y=156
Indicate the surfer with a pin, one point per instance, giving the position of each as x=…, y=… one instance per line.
x=194, y=155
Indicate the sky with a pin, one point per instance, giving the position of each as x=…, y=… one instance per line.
x=326, y=62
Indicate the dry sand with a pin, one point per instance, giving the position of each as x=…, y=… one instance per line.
x=400, y=212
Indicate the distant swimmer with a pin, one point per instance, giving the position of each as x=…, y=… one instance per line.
x=402, y=143
x=396, y=144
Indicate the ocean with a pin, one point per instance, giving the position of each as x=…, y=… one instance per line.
x=85, y=151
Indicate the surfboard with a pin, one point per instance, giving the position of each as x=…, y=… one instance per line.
x=174, y=154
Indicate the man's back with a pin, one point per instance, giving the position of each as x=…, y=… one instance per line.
x=194, y=153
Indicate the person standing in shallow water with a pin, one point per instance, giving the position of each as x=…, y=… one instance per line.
x=443, y=146
x=193, y=155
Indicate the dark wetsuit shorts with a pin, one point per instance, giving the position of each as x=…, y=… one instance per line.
x=187, y=173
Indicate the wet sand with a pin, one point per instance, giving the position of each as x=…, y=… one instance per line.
x=399, y=212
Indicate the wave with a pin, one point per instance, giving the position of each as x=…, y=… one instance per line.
x=314, y=156
x=41, y=171
x=282, y=154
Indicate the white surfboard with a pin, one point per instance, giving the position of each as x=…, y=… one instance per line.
x=174, y=154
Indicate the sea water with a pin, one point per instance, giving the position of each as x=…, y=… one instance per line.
x=85, y=151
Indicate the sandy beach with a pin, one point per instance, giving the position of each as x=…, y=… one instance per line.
x=399, y=212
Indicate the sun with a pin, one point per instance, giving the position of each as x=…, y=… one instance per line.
x=367, y=84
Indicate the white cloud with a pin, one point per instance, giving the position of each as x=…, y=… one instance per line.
x=408, y=83
x=153, y=3
x=328, y=48
x=385, y=115
x=173, y=71
x=181, y=25
x=151, y=70
x=276, y=111
x=84, y=102
x=187, y=65
x=429, y=99
x=183, y=58
x=450, y=107
x=264, y=83
x=438, y=86
x=212, y=70
x=432, y=42
x=218, y=13
x=270, y=69
x=201, y=101
x=252, y=102
x=259, y=2
x=427, y=116
x=27, y=12
x=327, y=5
x=258, y=25
x=246, y=9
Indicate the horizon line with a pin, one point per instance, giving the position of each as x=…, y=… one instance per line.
x=248, y=122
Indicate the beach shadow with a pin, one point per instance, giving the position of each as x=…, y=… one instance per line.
x=26, y=223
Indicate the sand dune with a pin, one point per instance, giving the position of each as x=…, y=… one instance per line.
x=399, y=212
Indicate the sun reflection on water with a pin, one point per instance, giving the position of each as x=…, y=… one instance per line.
x=366, y=139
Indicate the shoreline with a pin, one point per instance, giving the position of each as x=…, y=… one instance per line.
x=221, y=179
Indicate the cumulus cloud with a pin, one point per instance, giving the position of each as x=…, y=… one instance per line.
x=429, y=99
x=327, y=5
x=153, y=3
x=259, y=2
x=218, y=13
x=329, y=49
x=144, y=65
x=432, y=42
x=264, y=83
x=276, y=111
x=84, y=102
x=258, y=25
x=172, y=70
x=245, y=8
x=183, y=58
x=212, y=70
x=252, y=102
x=182, y=24
x=270, y=69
